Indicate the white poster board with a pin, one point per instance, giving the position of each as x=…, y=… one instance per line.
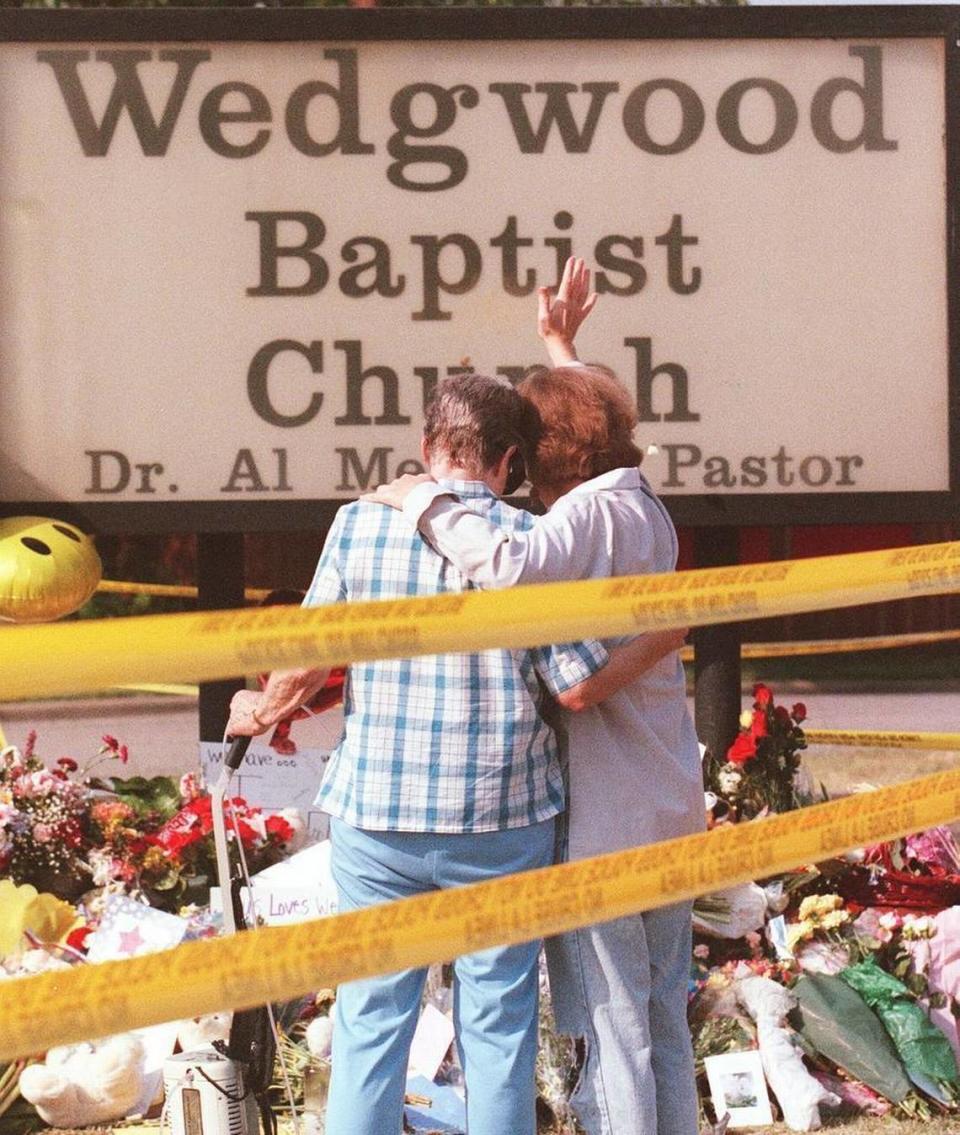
x=272, y=781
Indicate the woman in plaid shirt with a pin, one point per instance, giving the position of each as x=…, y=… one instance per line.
x=446, y=774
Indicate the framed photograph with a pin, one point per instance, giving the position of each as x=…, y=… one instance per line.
x=738, y=1089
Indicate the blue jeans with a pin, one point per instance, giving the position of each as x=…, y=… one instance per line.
x=495, y=993
x=621, y=987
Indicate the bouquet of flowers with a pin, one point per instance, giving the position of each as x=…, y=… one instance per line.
x=759, y=772
x=67, y=833
x=41, y=822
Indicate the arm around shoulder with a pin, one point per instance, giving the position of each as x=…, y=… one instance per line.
x=627, y=663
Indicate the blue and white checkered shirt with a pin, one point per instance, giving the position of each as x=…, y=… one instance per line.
x=442, y=743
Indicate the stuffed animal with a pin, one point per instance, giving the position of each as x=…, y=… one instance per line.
x=200, y=1032
x=84, y=1084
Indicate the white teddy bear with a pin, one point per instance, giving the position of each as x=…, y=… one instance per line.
x=84, y=1084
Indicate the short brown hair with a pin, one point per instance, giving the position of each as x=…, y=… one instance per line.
x=586, y=424
x=474, y=419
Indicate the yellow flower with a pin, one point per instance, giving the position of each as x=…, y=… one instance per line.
x=154, y=859
x=817, y=907
x=834, y=919
x=799, y=932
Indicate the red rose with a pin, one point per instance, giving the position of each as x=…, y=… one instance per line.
x=762, y=695
x=799, y=712
x=758, y=727
x=780, y=713
x=743, y=749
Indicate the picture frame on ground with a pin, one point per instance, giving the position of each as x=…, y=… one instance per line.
x=738, y=1088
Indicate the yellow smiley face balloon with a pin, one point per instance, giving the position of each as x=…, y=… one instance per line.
x=47, y=569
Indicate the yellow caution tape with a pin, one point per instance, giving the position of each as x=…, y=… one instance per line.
x=92, y=655
x=281, y=963
x=800, y=647
x=174, y=689
x=878, y=739
x=804, y=647
x=166, y=590
x=845, y=645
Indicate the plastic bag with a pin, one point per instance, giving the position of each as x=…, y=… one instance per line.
x=925, y=1051
x=835, y=1020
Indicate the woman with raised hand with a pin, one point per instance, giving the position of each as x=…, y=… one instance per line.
x=619, y=987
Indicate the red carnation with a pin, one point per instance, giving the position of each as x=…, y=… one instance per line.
x=68, y=764
x=77, y=939
x=279, y=827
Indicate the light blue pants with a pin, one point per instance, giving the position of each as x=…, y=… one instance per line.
x=495, y=993
x=621, y=987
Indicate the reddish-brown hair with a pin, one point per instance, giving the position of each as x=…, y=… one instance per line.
x=586, y=419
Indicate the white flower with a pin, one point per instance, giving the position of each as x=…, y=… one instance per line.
x=297, y=821
x=729, y=780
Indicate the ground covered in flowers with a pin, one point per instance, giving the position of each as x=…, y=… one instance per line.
x=844, y=976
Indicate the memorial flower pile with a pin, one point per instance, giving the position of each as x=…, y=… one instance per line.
x=67, y=832
x=844, y=975
x=865, y=951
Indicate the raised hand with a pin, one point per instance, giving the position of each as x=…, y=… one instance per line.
x=560, y=315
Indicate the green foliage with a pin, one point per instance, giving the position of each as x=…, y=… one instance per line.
x=157, y=794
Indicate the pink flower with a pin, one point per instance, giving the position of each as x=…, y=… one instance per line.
x=701, y=951
x=36, y=784
x=31, y=742
x=42, y=833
